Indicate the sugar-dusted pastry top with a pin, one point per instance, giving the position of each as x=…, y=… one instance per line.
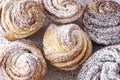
x=102, y=65
x=22, y=60
x=66, y=46
x=64, y=11
x=21, y=18
x=102, y=21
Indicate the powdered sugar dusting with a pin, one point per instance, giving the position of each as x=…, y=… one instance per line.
x=102, y=65
x=62, y=44
x=64, y=11
x=3, y=42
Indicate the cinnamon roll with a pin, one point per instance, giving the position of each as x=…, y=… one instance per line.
x=21, y=18
x=22, y=60
x=102, y=65
x=64, y=11
x=102, y=22
x=66, y=46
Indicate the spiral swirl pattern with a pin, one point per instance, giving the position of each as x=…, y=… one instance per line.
x=102, y=22
x=21, y=18
x=66, y=46
x=102, y=65
x=64, y=11
x=22, y=60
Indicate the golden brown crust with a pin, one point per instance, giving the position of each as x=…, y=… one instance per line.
x=21, y=18
x=66, y=46
x=64, y=11
x=22, y=60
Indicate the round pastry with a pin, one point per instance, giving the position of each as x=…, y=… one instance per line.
x=102, y=22
x=21, y=18
x=102, y=65
x=66, y=46
x=64, y=11
x=22, y=60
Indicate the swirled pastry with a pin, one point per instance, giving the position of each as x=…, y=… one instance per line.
x=66, y=46
x=64, y=11
x=102, y=65
x=21, y=18
x=22, y=60
x=102, y=22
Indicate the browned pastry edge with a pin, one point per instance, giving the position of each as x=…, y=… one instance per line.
x=11, y=61
x=102, y=25
x=57, y=10
x=21, y=21
x=103, y=65
x=59, y=52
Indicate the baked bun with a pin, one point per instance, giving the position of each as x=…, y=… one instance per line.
x=66, y=46
x=21, y=18
x=102, y=65
x=22, y=60
x=102, y=22
x=64, y=11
